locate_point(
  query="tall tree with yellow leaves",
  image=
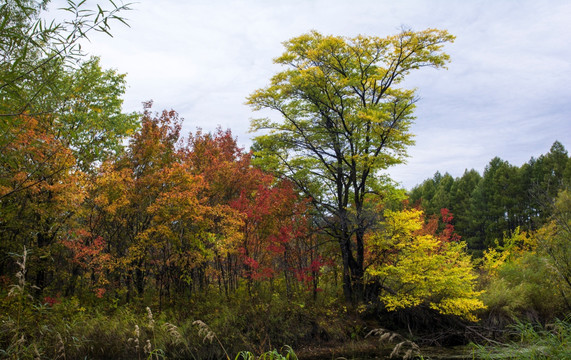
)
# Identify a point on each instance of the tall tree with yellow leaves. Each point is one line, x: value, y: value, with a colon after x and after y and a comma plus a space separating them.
x: 344, y: 119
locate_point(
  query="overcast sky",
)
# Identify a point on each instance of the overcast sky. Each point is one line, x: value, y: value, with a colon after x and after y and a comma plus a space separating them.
x: 506, y: 92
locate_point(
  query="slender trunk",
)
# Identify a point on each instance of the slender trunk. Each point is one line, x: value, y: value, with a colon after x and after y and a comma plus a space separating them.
x: 160, y: 279
x: 352, y: 273
x: 286, y: 275
x: 140, y: 279
x: 44, y: 241
x: 347, y: 278
x: 358, y: 271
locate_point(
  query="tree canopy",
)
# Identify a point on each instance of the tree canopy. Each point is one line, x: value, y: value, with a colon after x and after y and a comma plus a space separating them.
x: 343, y: 119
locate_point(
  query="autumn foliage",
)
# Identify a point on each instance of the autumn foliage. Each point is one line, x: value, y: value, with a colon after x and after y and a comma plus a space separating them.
x: 118, y: 212
x: 173, y: 216
x: 302, y: 238
x: 416, y: 266
x: 170, y: 216
x: 173, y: 220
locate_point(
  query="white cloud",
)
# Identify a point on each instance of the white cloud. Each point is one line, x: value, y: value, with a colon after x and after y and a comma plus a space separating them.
x: 505, y: 94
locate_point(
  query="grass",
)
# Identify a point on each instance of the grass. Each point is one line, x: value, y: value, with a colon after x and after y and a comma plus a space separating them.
x: 124, y: 334
x: 532, y: 341
x: 69, y: 329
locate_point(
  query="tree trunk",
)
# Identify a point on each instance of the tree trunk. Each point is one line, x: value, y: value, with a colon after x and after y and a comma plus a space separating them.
x: 352, y: 273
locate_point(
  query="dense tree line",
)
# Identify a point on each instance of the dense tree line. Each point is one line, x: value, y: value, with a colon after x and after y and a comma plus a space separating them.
x: 505, y: 197
x: 168, y: 217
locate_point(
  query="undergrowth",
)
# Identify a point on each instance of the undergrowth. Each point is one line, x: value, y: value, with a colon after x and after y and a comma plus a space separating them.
x: 68, y: 331
x: 212, y: 328
x: 532, y: 341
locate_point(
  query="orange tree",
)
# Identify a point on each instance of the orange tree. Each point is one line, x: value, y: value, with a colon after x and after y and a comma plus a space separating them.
x: 39, y: 192
x: 152, y: 209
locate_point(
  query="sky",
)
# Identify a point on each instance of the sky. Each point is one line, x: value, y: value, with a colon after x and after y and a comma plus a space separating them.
x: 506, y: 91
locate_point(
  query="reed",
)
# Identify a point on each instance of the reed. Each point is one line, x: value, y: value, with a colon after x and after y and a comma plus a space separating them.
x: 403, y: 348
x: 289, y: 354
x: 205, y: 331
x: 532, y: 342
